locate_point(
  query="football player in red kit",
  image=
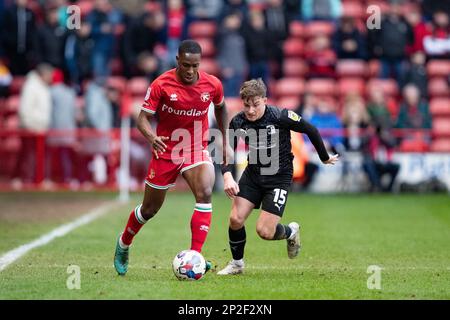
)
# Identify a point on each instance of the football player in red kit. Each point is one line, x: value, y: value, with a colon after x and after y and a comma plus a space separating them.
x: 181, y: 98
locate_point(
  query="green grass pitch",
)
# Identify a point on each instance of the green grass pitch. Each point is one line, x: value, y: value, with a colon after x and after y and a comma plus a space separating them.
x: 408, y: 236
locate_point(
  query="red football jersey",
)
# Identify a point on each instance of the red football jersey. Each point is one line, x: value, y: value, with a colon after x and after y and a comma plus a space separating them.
x: 183, y: 111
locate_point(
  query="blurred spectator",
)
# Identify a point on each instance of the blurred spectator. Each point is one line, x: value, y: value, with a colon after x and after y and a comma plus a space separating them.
x: 257, y: 42
x: 63, y: 117
x: 96, y: 144
x: 437, y: 42
x: 18, y: 27
x: 235, y: 7
x: 348, y: 42
x: 377, y: 162
x: 175, y: 14
x: 325, y: 117
x: 203, y: 9
x: 414, y: 111
x: 113, y: 95
x: 321, y: 9
x: 320, y: 58
x: 292, y: 9
x: 51, y: 37
x: 278, y: 29
x: 35, y: 117
x: 142, y: 35
x: 420, y: 30
x: 149, y: 66
x: 104, y: 19
x: 416, y: 73
x: 391, y: 42
x: 308, y: 105
x: 231, y: 54
x: 378, y: 110
x: 431, y: 6
x: 5, y: 80
x: 77, y: 53
x: 304, y: 170
x: 355, y: 119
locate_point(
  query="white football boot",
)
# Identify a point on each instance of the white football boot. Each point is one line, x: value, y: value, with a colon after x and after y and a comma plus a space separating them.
x: 293, y: 242
x: 233, y: 267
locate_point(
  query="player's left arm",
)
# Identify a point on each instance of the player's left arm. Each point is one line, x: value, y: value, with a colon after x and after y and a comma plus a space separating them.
x: 291, y: 120
x: 221, y: 114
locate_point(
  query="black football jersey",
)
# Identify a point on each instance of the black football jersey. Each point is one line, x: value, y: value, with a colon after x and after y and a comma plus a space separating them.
x: 269, y: 139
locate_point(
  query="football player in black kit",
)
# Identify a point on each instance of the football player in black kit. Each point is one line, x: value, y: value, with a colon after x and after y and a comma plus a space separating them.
x: 266, y: 180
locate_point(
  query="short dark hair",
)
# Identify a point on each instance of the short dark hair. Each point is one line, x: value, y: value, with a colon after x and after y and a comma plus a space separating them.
x: 189, y: 46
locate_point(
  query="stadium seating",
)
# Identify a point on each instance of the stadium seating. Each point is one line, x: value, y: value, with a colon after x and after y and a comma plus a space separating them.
x: 315, y: 28
x: 293, y: 47
x: 210, y: 65
x: 208, y: 48
x: 16, y: 85
x: 438, y: 87
x: 440, y: 145
x: 351, y: 85
x: 202, y: 29
x: 441, y: 127
x: 389, y: 86
x: 12, y: 104
x: 289, y: 87
x: 321, y: 87
x: 293, y: 67
x: 440, y: 107
x: 353, y: 9
x: 138, y: 86
x: 288, y: 102
x: 296, y: 29
x: 351, y: 68
x: 117, y: 82
x: 438, y: 68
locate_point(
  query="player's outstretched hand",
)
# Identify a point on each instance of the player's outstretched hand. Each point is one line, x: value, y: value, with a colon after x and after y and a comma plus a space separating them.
x: 230, y: 186
x: 158, y: 145
x: 332, y: 160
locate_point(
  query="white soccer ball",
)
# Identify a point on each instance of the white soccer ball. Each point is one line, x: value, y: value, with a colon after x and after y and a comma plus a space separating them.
x: 189, y: 265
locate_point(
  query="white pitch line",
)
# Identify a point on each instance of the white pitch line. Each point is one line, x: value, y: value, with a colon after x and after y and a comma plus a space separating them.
x: 13, y: 255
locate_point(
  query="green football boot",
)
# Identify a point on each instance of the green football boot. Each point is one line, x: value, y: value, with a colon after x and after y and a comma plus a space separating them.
x: 121, y: 259
x: 209, y: 266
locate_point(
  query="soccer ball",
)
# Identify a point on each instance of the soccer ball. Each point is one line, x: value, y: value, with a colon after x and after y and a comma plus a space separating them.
x: 189, y: 265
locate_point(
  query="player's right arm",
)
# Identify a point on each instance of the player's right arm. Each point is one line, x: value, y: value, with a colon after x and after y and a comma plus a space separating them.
x: 157, y: 142
x: 148, y: 110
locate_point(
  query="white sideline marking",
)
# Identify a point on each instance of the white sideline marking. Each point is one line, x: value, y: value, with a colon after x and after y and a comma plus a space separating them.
x: 11, y: 256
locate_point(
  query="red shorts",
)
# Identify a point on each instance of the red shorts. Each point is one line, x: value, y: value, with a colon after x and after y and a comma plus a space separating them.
x: 162, y: 173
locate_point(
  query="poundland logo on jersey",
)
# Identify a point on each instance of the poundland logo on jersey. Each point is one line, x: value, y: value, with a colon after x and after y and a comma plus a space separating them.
x: 191, y: 112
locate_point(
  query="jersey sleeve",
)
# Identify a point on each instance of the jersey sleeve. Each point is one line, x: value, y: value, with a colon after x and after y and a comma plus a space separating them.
x: 218, y: 94
x: 226, y: 167
x: 292, y: 121
x: 152, y: 98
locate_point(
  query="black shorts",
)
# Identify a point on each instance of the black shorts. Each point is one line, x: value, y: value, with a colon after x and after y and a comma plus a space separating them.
x: 268, y: 192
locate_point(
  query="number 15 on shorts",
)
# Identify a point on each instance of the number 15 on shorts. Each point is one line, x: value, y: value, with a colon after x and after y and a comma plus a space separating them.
x: 280, y: 197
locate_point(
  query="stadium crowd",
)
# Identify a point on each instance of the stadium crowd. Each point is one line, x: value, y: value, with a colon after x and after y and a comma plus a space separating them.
x: 372, y: 90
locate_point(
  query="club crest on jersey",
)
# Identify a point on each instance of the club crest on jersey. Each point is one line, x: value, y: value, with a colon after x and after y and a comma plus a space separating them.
x: 270, y: 129
x: 204, y: 96
x: 293, y: 116
x: 173, y: 97
x: 152, y: 174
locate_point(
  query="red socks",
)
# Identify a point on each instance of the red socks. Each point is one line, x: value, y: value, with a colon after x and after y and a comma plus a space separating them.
x: 200, y: 222
x: 135, y: 223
